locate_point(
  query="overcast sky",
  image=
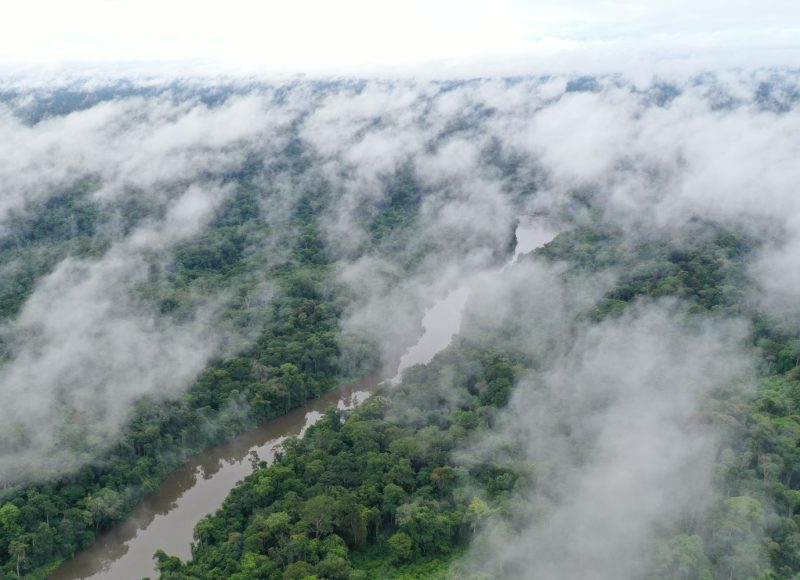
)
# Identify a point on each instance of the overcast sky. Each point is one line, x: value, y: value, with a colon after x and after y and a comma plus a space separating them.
x: 427, y: 37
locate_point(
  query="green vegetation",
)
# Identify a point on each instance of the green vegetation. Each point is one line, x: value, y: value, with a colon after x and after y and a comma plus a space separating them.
x: 378, y: 494
x: 752, y: 532
x: 373, y: 494
x: 384, y: 491
x: 295, y: 356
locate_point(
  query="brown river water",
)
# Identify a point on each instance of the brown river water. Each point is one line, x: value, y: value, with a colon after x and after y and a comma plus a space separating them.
x: 167, y: 517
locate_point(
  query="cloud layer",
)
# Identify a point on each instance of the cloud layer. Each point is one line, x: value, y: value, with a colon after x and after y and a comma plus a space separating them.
x: 649, y: 155
x: 610, y: 425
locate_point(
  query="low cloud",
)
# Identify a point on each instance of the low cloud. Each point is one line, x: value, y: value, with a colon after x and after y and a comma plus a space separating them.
x: 611, y: 424
x: 131, y: 147
x: 647, y: 154
x: 87, y: 345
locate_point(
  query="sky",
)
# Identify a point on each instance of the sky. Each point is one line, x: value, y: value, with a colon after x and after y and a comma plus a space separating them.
x: 418, y: 37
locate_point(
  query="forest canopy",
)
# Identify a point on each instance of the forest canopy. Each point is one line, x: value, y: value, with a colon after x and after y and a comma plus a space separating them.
x: 180, y: 263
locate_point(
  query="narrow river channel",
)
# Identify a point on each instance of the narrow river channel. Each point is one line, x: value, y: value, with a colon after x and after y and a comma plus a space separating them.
x: 166, y: 518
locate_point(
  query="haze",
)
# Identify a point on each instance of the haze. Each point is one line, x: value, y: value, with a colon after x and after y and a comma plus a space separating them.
x: 417, y: 38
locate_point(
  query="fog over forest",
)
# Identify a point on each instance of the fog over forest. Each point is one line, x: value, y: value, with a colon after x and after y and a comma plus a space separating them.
x: 117, y: 288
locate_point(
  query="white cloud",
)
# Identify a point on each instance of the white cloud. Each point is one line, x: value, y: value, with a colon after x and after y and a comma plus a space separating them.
x: 147, y: 145
x: 85, y: 348
x: 649, y: 168
x: 610, y: 423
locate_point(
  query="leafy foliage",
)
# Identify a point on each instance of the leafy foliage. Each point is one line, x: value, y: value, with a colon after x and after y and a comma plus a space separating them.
x: 374, y: 493
x: 294, y: 357
x: 383, y: 482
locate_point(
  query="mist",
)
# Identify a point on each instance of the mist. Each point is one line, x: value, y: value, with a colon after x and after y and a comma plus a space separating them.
x: 91, y: 338
x: 612, y: 424
x: 648, y: 156
x: 612, y: 420
x: 84, y: 349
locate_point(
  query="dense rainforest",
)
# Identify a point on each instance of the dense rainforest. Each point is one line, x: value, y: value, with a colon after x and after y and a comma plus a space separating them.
x: 292, y: 349
x: 278, y: 263
x: 294, y: 357
x: 295, y: 354
x: 381, y: 493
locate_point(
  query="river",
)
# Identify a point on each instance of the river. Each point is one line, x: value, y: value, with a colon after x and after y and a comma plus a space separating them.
x: 166, y: 518
x: 442, y: 320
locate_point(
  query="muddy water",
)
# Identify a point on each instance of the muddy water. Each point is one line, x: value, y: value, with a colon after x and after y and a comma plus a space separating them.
x: 166, y: 518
